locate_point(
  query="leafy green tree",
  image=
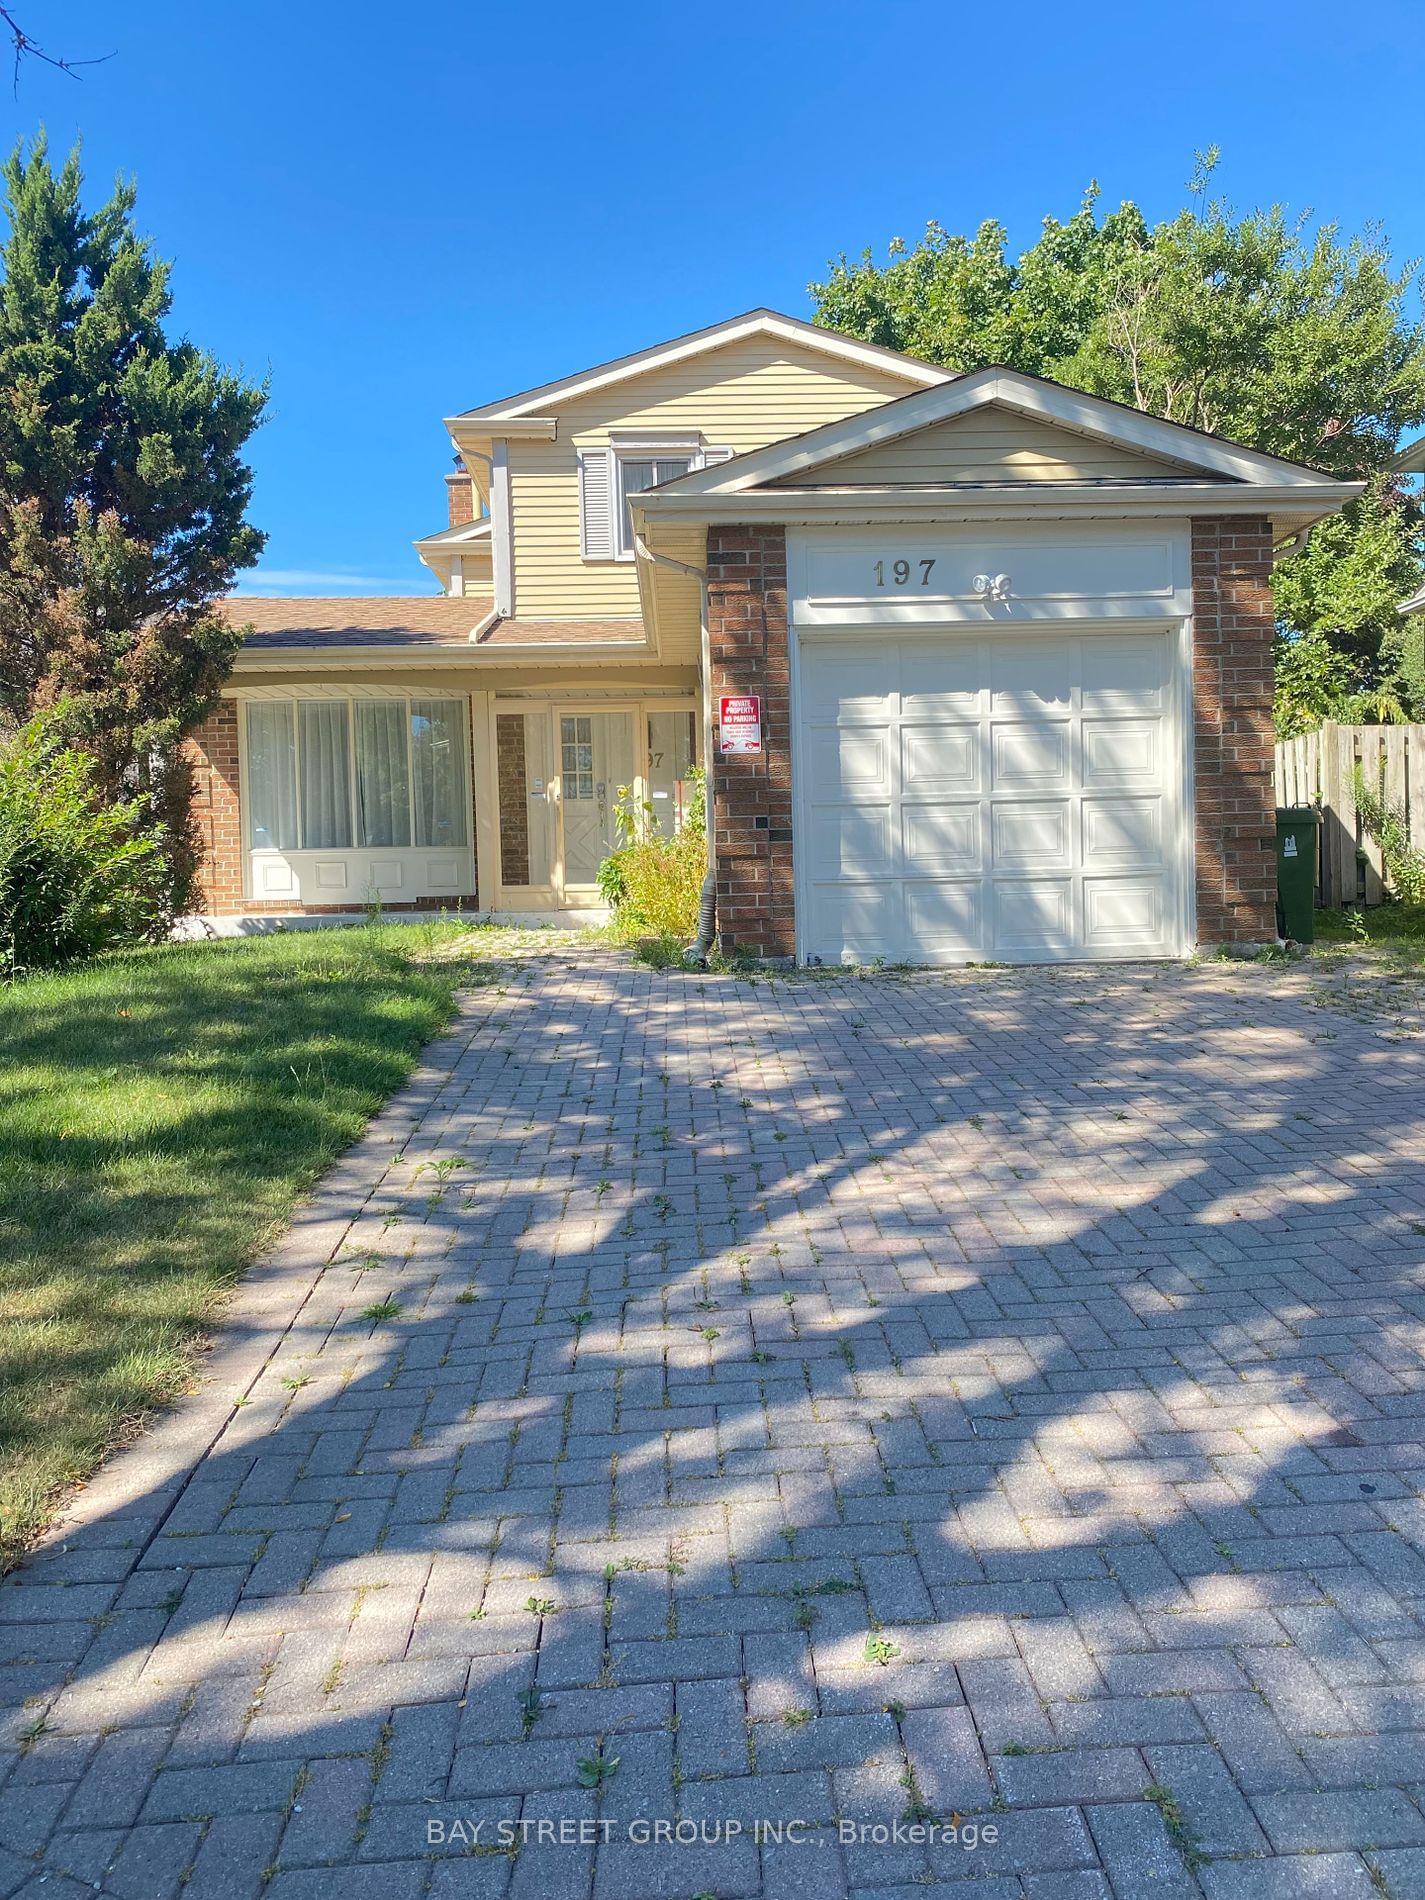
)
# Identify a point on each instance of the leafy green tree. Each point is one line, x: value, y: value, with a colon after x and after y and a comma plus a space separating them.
x: 1343, y: 650
x: 1291, y: 340
x: 123, y: 496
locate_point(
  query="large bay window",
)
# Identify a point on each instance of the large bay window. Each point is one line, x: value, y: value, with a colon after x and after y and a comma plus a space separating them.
x: 337, y: 774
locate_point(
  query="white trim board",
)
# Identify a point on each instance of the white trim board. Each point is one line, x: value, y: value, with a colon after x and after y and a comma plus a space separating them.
x: 696, y: 343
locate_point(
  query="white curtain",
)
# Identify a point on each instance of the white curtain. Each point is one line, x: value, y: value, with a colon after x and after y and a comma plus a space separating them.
x: 326, y: 785
x: 271, y: 776
x: 383, y: 793
x: 438, y: 771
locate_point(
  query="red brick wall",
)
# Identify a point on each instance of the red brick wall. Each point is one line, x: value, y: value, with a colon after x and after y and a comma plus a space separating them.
x: 514, y: 801
x: 752, y: 808
x: 460, y: 499
x: 1232, y: 707
x: 213, y: 749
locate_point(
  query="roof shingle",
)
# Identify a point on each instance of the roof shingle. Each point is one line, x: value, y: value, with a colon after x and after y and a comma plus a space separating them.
x: 356, y: 621
x: 428, y: 620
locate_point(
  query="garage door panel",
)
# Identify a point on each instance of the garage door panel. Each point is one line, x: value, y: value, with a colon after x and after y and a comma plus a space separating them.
x: 1034, y: 917
x: 945, y: 921
x: 1125, y: 914
x: 1032, y: 836
x: 858, y: 922
x: 1121, y: 752
x: 1030, y: 758
x: 850, y: 762
x: 1032, y: 676
x: 849, y: 685
x: 1128, y: 675
x: 941, y: 837
x: 937, y: 759
x: 1124, y: 833
x: 853, y: 841
x: 941, y: 681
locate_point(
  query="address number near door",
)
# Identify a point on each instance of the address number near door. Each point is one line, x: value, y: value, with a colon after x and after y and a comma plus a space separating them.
x: 914, y: 573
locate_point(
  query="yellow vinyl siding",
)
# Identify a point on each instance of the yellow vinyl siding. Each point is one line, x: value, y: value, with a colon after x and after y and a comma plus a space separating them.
x: 987, y: 445
x: 677, y: 598
x: 742, y: 396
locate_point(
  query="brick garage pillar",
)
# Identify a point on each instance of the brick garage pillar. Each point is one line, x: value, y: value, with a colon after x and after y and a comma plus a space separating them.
x: 1233, y: 627
x: 752, y: 797
x: 213, y: 751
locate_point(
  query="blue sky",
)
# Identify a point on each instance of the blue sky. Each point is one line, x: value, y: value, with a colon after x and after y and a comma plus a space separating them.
x: 400, y: 212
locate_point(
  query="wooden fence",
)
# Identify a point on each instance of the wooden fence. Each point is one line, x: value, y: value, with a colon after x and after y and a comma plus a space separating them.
x: 1319, y: 768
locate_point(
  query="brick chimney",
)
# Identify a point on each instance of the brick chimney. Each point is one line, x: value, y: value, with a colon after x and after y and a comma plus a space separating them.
x: 460, y: 494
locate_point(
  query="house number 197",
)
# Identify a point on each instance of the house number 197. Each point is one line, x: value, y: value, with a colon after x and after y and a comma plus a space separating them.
x: 901, y: 572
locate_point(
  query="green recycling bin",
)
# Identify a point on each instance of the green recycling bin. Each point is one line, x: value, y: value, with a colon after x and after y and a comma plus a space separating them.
x: 1296, y: 871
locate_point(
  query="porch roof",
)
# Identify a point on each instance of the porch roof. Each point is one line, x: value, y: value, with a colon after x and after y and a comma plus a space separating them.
x: 360, y: 628
x: 356, y: 621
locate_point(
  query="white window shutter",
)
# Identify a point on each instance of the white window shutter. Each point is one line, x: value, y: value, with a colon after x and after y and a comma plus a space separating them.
x: 596, y: 504
x: 711, y: 456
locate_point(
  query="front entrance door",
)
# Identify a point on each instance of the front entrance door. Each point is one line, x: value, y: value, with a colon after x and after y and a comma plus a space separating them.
x: 595, y: 760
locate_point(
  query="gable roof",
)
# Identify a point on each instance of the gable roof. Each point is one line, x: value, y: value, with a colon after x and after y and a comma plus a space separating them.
x: 1098, y: 417
x: 1196, y: 473
x: 760, y: 322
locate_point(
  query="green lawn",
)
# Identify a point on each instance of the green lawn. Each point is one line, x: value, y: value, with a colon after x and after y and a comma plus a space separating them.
x: 1399, y: 928
x: 160, y: 1112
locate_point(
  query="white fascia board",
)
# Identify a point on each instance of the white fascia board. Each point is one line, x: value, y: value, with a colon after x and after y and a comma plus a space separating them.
x: 305, y: 659
x: 1028, y: 395
x: 1415, y: 604
x: 600, y: 650
x: 796, y: 506
x: 758, y: 323
x: 1411, y: 459
x: 511, y: 428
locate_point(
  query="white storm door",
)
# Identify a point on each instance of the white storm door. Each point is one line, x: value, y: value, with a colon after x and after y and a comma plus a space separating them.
x: 595, y: 762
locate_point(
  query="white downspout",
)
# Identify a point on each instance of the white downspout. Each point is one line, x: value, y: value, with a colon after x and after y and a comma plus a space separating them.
x: 707, y: 908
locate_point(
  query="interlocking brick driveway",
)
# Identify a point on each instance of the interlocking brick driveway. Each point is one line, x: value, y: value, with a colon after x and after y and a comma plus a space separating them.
x: 1055, y: 1336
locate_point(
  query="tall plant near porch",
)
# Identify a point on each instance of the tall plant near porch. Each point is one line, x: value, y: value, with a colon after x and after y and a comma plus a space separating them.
x: 123, y: 497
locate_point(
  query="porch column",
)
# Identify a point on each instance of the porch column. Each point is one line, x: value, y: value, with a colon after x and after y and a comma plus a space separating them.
x: 485, y: 782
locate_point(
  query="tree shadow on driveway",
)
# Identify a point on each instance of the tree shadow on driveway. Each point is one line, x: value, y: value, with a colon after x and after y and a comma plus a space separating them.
x: 847, y: 1402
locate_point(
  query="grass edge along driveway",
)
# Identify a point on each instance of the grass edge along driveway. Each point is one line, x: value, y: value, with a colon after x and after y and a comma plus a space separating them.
x: 160, y: 1114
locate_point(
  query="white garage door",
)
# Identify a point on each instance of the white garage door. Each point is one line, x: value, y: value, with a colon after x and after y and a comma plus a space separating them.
x: 1011, y: 798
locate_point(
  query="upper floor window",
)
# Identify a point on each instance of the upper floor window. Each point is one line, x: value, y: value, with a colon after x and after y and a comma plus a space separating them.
x: 641, y: 471
x: 609, y: 476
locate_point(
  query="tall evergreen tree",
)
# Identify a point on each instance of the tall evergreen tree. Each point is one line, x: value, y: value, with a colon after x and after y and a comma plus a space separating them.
x: 123, y: 494
x: 1292, y: 341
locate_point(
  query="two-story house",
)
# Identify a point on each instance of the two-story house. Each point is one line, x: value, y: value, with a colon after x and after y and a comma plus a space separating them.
x: 998, y: 658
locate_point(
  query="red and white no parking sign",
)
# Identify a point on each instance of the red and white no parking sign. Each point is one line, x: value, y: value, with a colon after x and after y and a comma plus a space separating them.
x: 739, y: 723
